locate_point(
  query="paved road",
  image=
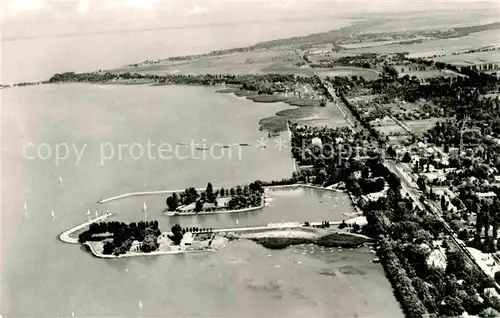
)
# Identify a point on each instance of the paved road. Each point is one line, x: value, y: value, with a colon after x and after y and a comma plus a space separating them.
x: 333, y: 96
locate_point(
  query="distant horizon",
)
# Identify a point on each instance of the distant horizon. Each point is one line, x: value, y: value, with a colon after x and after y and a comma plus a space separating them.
x: 36, y: 45
x: 34, y: 19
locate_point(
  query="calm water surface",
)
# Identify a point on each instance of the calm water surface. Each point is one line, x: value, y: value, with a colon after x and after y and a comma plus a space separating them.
x: 43, y: 277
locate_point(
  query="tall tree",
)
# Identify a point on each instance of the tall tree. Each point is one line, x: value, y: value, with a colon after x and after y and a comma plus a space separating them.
x: 210, y: 193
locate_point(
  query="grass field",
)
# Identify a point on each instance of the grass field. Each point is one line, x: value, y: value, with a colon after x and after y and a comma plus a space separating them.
x: 422, y: 125
x: 256, y: 62
x: 434, y: 72
x: 348, y: 71
x: 312, y: 116
x: 389, y: 129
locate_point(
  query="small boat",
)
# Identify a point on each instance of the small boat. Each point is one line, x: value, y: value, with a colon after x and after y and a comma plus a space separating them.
x: 88, y: 213
x: 53, y: 214
x: 263, y: 146
x: 25, y: 206
x: 376, y: 260
x: 246, y: 145
x: 182, y: 144
x: 140, y: 304
x: 201, y: 148
x: 144, y: 207
x: 60, y: 180
x: 226, y: 146
x: 96, y: 213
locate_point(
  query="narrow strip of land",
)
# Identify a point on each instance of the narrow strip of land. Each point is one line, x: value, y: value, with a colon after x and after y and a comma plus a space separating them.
x: 66, y: 235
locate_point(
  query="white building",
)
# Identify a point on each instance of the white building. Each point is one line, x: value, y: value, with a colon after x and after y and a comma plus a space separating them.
x: 317, y: 142
x: 437, y: 259
x: 187, y: 239
x: 483, y: 195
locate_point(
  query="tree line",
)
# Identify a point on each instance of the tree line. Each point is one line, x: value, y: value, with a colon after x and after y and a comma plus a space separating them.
x: 239, y: 197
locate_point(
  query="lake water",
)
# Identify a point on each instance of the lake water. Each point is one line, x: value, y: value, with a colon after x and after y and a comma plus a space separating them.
x: 43, y: 277
x: 37, y: 59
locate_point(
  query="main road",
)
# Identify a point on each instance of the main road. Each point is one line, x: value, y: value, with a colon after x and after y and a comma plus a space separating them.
x: 332, y: 95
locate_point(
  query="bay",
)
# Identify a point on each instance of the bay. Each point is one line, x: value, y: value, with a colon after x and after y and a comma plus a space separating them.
x: 43, y: 277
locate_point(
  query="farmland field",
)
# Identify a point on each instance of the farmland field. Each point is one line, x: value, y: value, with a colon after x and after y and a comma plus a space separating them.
x: 440, y: 19
x: 439, y: 46
x: 256, y: 62
x: 316, y: 56
x: 352, y: 46
x: 471, y: 58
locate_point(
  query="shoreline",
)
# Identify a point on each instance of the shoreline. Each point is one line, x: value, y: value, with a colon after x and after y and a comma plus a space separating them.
x: 66, y: 235
x: 285, y: 231
x: 270, y: 98
x: 130, y: 194
x: 91, y: 247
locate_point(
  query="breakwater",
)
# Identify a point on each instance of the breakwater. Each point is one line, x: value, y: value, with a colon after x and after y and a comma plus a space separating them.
x: 131, y: 194
x: 66, y: 235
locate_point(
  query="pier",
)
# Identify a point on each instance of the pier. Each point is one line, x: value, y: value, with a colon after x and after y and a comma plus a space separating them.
x: 66, y: 235
x: 132, y: 194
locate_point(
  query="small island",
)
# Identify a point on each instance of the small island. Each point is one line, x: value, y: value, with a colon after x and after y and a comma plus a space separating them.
x: 240, y: 199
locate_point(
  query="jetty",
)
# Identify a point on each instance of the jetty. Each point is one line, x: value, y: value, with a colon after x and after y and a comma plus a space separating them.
x: 276, y: 187
x: 66, y: 235
x: 287, y: 226
x: 131, y: 194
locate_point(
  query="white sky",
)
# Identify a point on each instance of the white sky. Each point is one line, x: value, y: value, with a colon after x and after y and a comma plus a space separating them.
x: 38, y: 18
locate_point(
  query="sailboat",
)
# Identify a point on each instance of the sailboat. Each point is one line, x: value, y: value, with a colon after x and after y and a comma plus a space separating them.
x: 145, y: 210
x: 96, y: 213
x: 53, y: 214
x: 237, y: 222
x: 60, y: 180
x: 140, y: 304
x: 25, y: 206
x: 72, y: 314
